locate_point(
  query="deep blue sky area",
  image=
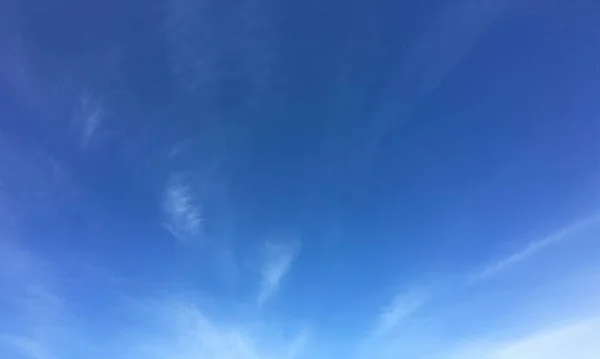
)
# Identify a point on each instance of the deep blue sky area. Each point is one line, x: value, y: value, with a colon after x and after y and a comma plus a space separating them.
x: 286, y: 180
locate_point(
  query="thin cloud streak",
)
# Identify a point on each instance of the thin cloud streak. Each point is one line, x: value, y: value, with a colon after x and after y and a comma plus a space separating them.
x: 88, y: 115
x: 279, y: 259
x: 90, y: 125
x: 181, y: 330
x: 165, y: 328
x: 182, y: 212
x: 402, y: 306
x: 387, y: 342
x: 536, y: 246
x: 579, y: 339
x: 32, y: 349
x: 32, y: 302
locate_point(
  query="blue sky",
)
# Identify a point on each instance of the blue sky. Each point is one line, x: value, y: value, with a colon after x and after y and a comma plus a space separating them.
x: 286, y: 180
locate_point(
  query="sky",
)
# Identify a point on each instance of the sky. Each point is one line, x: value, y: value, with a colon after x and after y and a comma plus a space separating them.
x: 286, y: 180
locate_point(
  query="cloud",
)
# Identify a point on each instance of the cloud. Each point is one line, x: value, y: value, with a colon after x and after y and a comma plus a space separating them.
x: 579, y: 339
x: 393, y: 323
x: 534, y: 247
x: 441, y: 334
x: 401, y: 307
x: 164, y: 328
x: 279, y: 259
x: 90, y: 125
x: 88, y: 115
x: 180, y: 330
x: 182, y: 212
x: 31, y: 348
x: 486, y: 325
x: 189, y: 334
x: 25, y: 285
x: 297, y: 346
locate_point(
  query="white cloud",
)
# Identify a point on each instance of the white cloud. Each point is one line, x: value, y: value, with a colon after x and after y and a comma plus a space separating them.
x: 529, y: 337
x: 183, y: 331
x: 279, y: 259
x: 387, y: 340
x: 25, y: 285
x: 88, y: 115
x: 296, y: 347
x: 402, y: 306
x: 181, y: 209
x: 31, y: 348
x: 426, y: 335
x: 162, y: 329
x: 580, y: 339
x: 534, y: 247
x: 90, y: 125
x: 189, y: 334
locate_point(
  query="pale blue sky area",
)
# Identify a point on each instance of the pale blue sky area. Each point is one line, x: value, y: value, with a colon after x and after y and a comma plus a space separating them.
x: 184, y: 179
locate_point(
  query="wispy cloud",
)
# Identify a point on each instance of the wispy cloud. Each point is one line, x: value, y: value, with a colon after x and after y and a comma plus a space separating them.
x: 402, y: 306
x: 421, y: 337
x: 90, y: 125
x: 181, y: 330
x: 88, y: 116
x: 30, y: 348
x: 440, y: 334
x: 579, y: 339
x: 181, y: 209
x: 159, y: 328
x: 534, y: 247
x: 279, y: 258
x: 25, y: 282
x: 297, y: 346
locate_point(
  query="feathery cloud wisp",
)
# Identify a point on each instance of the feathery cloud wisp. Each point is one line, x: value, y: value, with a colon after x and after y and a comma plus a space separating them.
x: 534, y: 247
x: 163, y: 329
x: 580, y: 339
x: 88, y: 115
x: 183, y: 215
x: 31, y: 300
x: 31, y: 348
x: 402, y: 306
x: 279, y: 259
x: 183, y: 331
